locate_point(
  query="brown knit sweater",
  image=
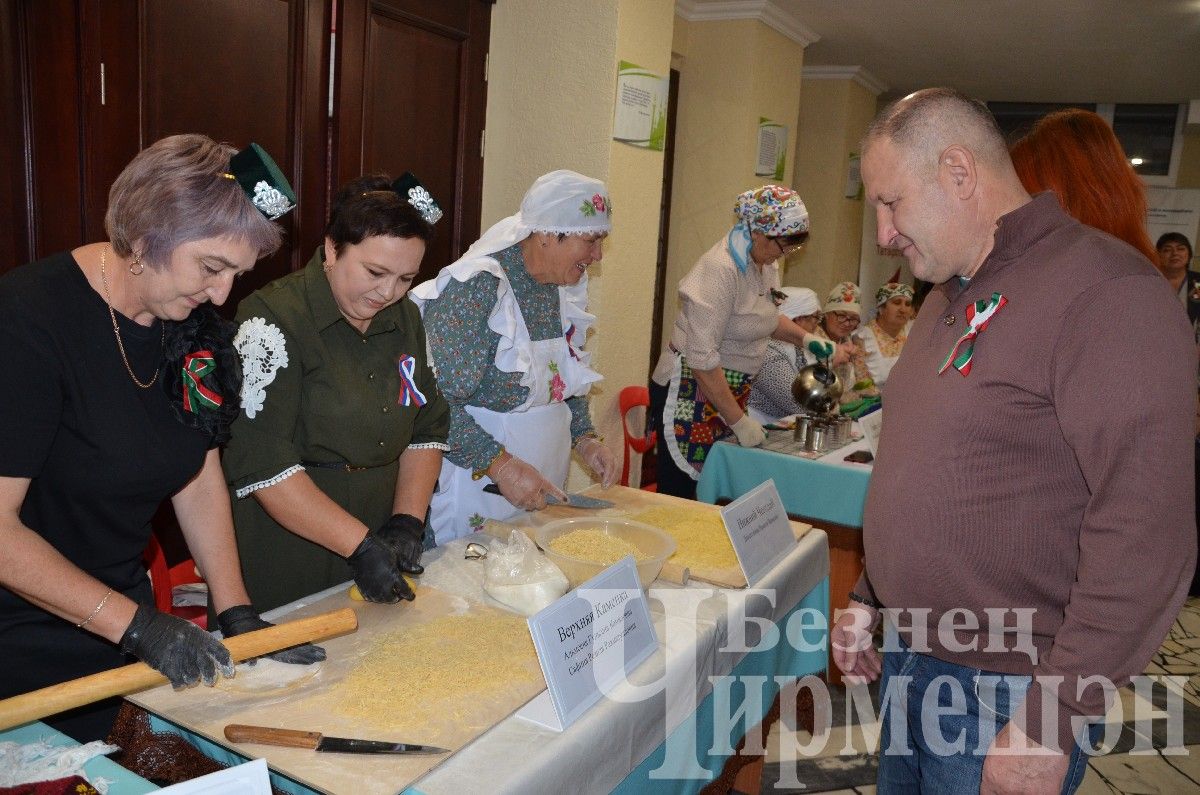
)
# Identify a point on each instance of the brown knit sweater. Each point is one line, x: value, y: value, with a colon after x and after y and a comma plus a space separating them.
x: 1057, y: 475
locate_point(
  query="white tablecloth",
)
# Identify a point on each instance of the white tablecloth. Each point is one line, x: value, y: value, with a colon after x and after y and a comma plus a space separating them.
x: 599, y: 751
x: 602, y: 747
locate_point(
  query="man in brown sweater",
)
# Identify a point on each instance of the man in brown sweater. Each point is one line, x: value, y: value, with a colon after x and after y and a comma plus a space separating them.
x: 1031, y: 511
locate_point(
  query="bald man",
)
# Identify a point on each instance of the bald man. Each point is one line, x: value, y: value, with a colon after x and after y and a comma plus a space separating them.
x: 1030, y: 520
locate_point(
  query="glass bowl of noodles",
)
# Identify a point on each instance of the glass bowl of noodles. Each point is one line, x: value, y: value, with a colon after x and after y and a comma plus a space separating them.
x: 584, y: 546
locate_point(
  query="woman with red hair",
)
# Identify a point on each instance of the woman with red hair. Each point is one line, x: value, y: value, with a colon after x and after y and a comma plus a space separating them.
x: 1075, y: 153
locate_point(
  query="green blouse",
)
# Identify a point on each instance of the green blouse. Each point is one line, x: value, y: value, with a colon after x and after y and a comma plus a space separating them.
x: 336, y: 400
x: 318, y: 391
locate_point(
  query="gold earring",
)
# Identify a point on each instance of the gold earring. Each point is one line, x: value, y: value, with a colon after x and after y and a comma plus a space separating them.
x: 137, y: 262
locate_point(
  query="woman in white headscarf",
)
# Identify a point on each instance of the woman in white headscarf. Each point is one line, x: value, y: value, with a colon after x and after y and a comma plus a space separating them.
x: 506, y: 325
x: 702, y: 382
x: 771, y: 393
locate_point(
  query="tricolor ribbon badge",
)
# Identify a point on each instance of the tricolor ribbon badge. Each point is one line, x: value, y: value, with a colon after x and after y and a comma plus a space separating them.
x: 410, y: 395
x: 978, y: 315
x: 195, y: 393
x: 570, y: 345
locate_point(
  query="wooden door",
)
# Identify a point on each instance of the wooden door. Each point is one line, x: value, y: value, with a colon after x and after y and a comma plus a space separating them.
x: 88, y: 83
x: 410, y: 95
x: 40, y: 189
x: 235, y: 70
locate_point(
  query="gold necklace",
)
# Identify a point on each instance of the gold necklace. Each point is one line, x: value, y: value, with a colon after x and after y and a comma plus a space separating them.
x: 117, y: 331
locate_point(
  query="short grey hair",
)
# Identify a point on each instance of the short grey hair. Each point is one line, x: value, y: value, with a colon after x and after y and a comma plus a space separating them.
x: 925, y: 122
x: 176, y: 191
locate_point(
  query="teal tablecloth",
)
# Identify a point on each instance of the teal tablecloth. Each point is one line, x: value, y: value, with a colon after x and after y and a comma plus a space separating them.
x: 121, y: 781
x: 812, y: 489
x: 782, y: 660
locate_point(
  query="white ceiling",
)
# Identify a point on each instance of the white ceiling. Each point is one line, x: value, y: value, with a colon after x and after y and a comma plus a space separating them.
x: 1000, y: 50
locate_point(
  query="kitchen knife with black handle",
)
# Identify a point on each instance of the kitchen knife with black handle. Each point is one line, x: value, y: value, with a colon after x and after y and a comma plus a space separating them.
x: 293, y: 738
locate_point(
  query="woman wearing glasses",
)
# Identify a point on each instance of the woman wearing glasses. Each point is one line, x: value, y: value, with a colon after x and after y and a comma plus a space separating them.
x: 726, y: 316
x: 842, y: 314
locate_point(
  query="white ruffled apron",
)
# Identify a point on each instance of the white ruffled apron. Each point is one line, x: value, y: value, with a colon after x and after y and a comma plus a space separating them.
x: 539, y: 430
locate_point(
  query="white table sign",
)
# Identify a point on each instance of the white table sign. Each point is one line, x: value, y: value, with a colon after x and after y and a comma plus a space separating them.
x: 587, y: 642
x: 759, y: 530
x: 872, y: 426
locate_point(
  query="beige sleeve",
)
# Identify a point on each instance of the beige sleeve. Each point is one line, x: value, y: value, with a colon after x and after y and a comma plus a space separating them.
x: 706, y: 298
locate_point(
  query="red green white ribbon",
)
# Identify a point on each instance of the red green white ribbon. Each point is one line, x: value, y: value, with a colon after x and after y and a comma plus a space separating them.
x: 979, y: 314
x: 195, y: 393
x: 410, y: 395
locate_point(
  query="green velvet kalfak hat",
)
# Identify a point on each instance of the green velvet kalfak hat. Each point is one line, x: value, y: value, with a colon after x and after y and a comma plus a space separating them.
x: 412, y: 191
x: 263, y: 181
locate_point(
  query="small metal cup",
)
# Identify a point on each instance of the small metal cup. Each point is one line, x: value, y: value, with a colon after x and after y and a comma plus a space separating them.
x: 844, y: 427
x: 819, y: 442
x: 803, y: 429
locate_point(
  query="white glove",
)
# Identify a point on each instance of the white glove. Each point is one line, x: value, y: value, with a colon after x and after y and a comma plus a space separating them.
x: 523, y: 486
x: 599, y: 459
x: 749, y: 433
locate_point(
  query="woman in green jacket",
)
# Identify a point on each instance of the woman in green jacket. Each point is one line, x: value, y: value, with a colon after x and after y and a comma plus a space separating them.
x: 336, y: 453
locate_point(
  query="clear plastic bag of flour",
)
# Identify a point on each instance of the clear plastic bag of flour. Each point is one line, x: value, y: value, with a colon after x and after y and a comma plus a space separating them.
x: 518, y: 575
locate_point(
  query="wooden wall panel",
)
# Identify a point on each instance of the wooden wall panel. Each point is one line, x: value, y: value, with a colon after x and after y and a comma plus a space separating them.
x: 55, y: 124
x: 16, y: 232
x: 223, y: 68
x: 411, y: 96
x: 411, y: 112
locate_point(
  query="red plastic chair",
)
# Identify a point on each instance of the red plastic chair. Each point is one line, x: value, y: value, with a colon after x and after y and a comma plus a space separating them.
x: 629, y: 398
x: 164, y: 578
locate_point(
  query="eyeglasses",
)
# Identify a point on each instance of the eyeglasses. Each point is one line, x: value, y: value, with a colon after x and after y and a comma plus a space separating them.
x: 845, y: 318
x: 788, y: 249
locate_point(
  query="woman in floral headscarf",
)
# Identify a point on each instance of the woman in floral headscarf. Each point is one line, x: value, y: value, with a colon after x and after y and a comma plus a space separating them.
x: 702, y: 382
x: 506, y: 325
x: 886, y: 334
x: 839, y: 318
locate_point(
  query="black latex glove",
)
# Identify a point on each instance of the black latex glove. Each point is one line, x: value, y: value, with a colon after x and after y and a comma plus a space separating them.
x: 405, y: 534
x: 177, y: 649
x: 243, y: 618
x: 376, y: 572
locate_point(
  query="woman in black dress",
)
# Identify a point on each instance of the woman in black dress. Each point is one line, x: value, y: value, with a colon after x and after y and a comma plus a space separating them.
x: 117, y: 383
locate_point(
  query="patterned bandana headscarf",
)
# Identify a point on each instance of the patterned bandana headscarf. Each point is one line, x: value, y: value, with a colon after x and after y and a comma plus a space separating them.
x: 773, y: 210
x: 890, y: 290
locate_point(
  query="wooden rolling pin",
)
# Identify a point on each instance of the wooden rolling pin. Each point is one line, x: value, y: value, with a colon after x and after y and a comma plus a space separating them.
x: 139, y: 676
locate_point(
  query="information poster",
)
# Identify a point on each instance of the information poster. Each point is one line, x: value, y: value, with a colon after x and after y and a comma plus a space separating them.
x: 640, y: 118
x: 772, y: 149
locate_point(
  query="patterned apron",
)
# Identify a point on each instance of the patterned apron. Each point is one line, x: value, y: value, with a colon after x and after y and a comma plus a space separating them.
x: 696, y: 421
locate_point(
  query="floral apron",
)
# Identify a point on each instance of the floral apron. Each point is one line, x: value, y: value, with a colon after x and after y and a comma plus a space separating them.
x: 696, y: 421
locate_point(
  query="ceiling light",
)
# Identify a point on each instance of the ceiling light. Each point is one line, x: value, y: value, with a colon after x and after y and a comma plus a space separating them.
x: 1136, y: 161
